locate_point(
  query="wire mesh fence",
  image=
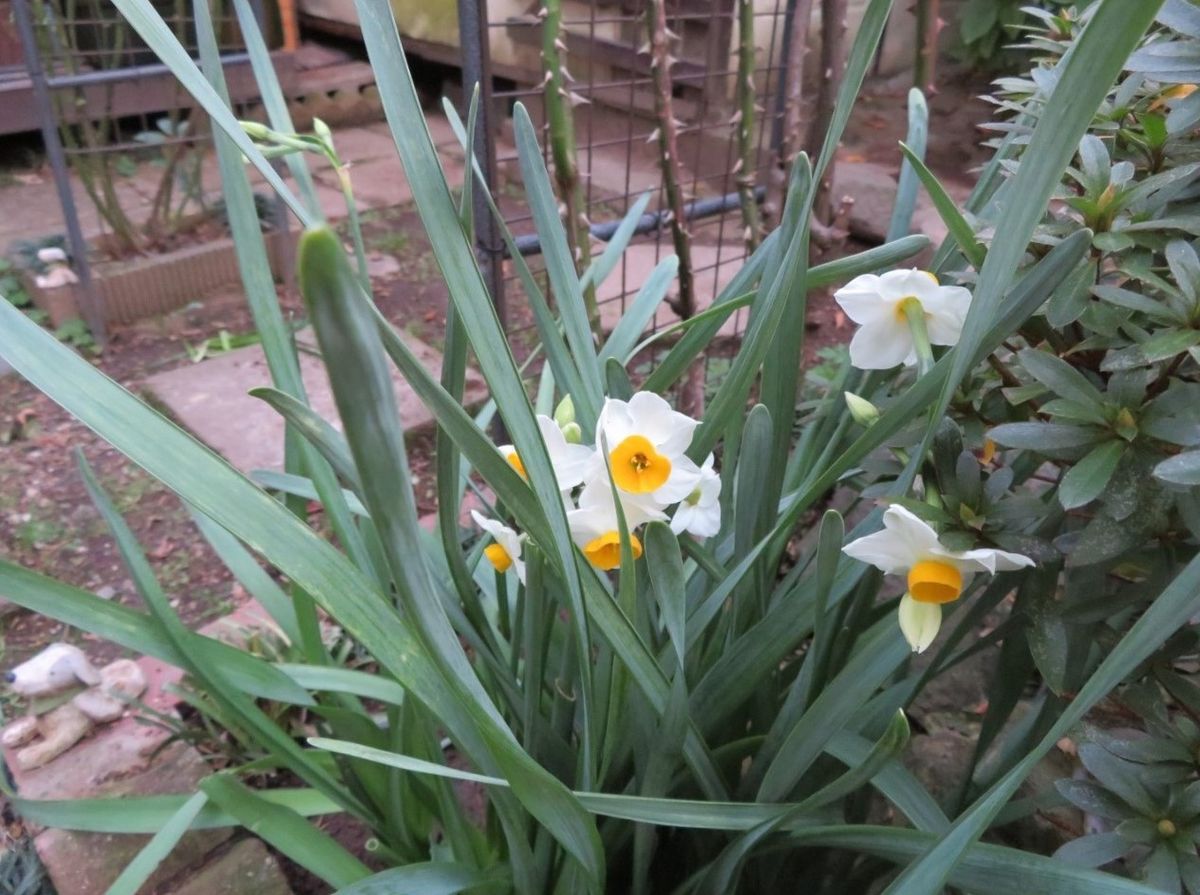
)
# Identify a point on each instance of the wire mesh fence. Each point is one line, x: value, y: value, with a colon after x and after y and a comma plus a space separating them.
x: 609, y: 81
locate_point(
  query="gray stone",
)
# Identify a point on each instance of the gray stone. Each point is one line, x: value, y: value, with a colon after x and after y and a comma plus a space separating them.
x: 211, y: 400
x: 873, y: 189
x: 939, y: 761
x: 246, y: 868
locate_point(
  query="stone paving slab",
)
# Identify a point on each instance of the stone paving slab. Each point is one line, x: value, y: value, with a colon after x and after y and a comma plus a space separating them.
x: 246, y: 868
x: 211, y: 400
x: 88, y: 863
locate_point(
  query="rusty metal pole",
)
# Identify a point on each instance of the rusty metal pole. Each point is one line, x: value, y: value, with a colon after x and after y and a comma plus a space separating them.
x: 93, y: 303
x: 477, y: 70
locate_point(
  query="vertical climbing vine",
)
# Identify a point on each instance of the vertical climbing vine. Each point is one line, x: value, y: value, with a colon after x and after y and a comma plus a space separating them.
x: 560, y: 117
x: 661, y: 61
x: 744, y: 118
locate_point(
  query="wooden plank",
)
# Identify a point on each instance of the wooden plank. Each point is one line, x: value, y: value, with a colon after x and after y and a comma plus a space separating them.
x: 147, y: 94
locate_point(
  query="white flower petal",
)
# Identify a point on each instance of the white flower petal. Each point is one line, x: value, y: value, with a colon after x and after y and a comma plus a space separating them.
x: 985, y: 559
x: 945, y: 312
x: 881, y: 345
x: 668, y: 430
x: 684, y: 479
x: 917, y: 534
x: 883, y: 550
x: 569, y: 460
x: 906, y: 283
x: 919, y: 622
x: 862, y: 301
x: 506, y: 537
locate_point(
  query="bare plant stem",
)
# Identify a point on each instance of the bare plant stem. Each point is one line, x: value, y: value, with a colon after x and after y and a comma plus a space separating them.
x: 744, y: 170
x: 928, y: 26
x: 668, y: 149
x: 833, y: 64
x: 794, y: 80
x: 561, y: 119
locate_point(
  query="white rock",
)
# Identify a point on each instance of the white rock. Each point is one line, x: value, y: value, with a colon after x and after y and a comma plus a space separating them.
x: 19, y: 732
x: 51, y: 255
x: 120, y: 681
x: 60, y: 730
x: 55, y: 668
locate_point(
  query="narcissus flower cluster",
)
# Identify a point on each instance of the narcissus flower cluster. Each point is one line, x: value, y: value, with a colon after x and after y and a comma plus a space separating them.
x: 638, y: 468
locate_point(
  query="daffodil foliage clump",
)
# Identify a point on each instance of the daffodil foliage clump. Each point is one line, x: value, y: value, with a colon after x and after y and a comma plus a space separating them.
x: 655, y: 660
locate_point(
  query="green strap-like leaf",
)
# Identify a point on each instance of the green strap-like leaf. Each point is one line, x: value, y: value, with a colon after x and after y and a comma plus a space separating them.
x: 286, y: 831
x: 161, y: 844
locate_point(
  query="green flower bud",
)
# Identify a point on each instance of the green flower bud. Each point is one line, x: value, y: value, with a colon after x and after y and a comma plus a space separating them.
x: 256, y: 131
x: 321, y: 129
x: 572, y: 433
x: 564, y: 413
x: 863, y: 411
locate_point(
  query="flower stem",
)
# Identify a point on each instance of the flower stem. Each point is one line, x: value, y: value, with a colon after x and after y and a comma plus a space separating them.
x: 915, y: 314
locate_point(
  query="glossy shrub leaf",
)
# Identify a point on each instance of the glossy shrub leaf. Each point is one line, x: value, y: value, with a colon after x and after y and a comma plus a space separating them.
x: 1087, y: 479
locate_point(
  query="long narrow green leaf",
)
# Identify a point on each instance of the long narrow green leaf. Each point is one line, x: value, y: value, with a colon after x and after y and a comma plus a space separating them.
x: 251, y: 575
x: 559, y: 264
x: 956, y: 224
x: 155, y: 851
x: 882, y: 651
x: 137, y: 631
x: 430, y: 878
x: 723, y: 873
x: 286, y: 831
x: 599, y: 269
x: 456, y: 259
x: 906, y: 188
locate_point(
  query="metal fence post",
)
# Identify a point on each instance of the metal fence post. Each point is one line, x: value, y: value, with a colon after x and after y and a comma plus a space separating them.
x: 93, y: 305
x: 477, y: 70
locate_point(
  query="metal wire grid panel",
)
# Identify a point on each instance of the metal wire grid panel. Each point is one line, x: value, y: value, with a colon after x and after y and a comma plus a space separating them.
x: 105, y: 104
x: 618, y: 159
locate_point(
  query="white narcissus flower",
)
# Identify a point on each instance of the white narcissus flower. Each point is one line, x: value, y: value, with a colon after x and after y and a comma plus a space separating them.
x: 505, y: 551
x: 699, y: 513
x: 646, y: 442
x: 595, y: 528
x: 568, y: 460
x: 935, y: 574
x: 877, y: 304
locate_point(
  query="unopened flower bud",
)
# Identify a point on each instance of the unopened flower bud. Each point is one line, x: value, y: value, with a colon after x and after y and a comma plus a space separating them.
x: 321, y: 129
x: 863, y: 411
x: 572, y: 433
x: 564, y: 413
x: 256, y: 131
